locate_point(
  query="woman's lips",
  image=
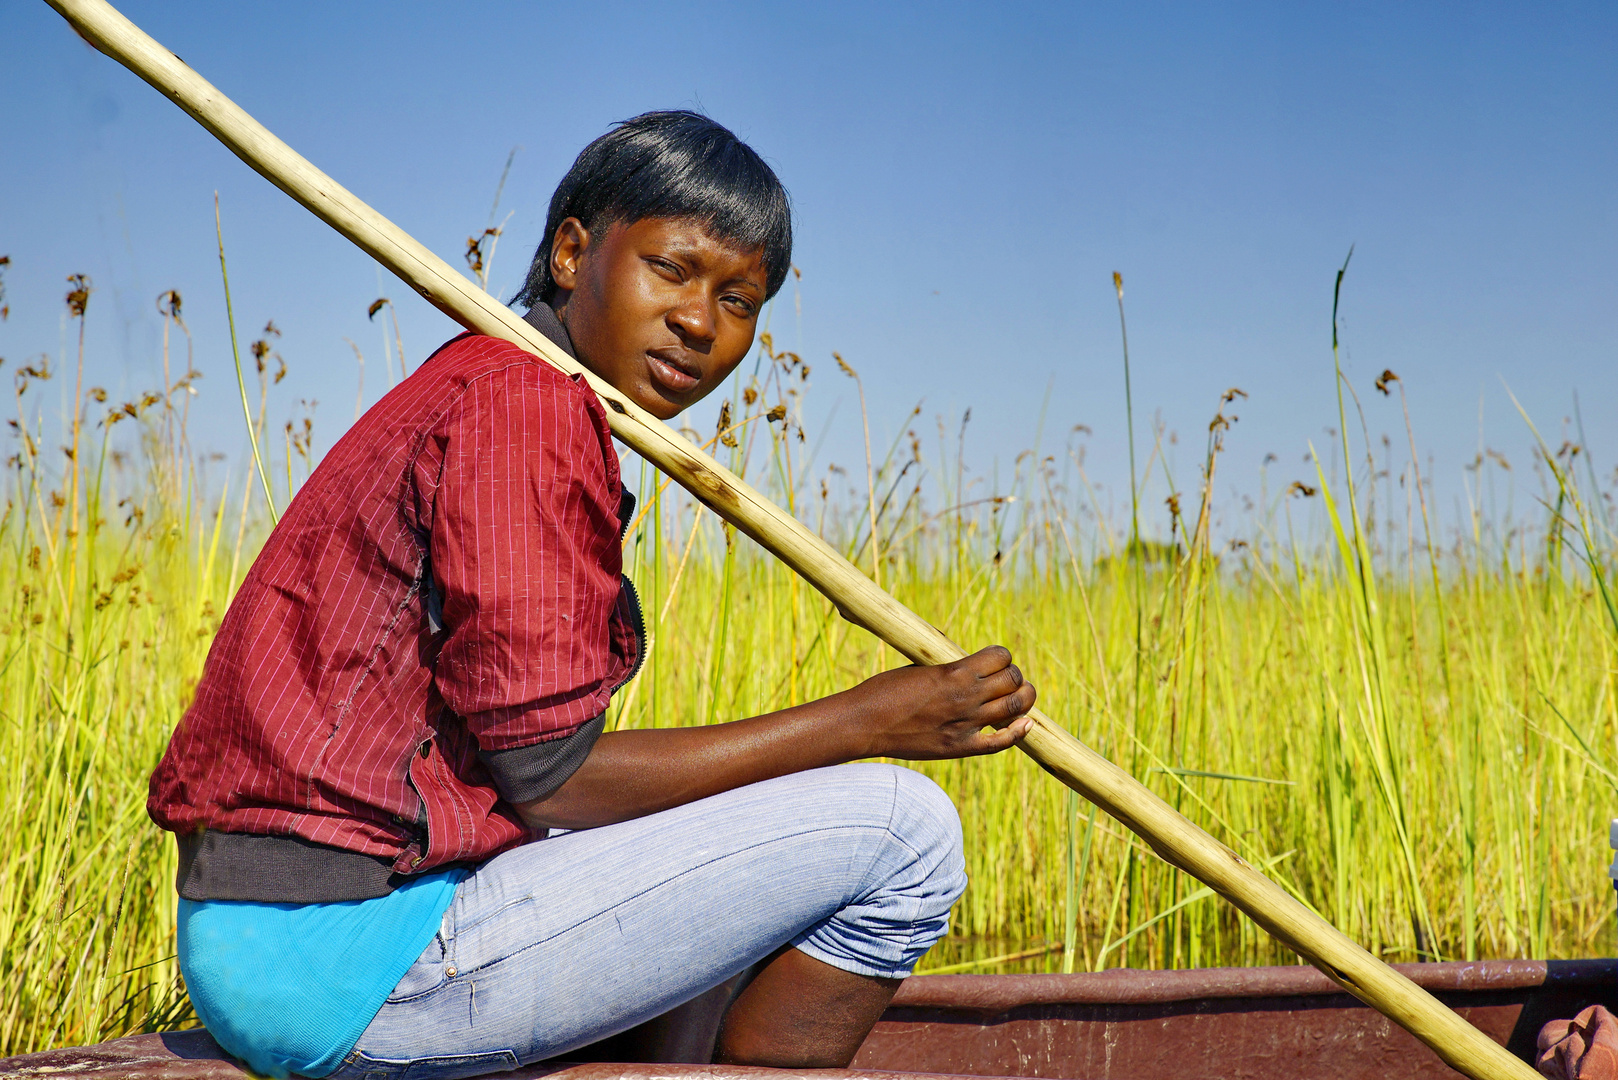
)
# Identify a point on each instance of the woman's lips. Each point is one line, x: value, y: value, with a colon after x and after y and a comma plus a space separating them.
x: 672, y: 374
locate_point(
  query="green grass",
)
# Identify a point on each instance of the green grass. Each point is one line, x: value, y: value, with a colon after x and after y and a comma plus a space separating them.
x: 1419, y: 743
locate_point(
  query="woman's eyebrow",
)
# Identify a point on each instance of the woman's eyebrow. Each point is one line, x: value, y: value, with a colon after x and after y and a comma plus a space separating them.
x: 746, y: 277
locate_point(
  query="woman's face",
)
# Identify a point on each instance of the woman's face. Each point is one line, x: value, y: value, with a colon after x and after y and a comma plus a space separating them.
x: 657, y: 307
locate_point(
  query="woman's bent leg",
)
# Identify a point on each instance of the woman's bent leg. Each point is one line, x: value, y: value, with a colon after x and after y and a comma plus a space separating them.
x: 560, y: 943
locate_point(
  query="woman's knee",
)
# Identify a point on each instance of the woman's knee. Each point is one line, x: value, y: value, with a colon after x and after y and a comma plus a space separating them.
x: 923, y: 830
x: 925, y: 820
x: 918, y: 874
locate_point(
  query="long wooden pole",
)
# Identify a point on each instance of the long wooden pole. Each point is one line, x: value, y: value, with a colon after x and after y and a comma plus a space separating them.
x: 857, y: 598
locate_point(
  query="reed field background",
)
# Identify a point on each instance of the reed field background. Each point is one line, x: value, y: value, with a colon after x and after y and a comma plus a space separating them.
x: 1404, y: 716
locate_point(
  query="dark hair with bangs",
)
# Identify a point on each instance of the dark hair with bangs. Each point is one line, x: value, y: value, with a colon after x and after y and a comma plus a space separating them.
x: 674, y: 164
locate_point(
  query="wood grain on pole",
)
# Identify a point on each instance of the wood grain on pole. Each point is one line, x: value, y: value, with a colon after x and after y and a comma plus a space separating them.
x: 857, y: 598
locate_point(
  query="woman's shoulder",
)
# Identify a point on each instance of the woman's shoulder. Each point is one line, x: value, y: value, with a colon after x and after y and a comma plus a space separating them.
x: 488, y: 387
x: 477, y: 354
x: 508, y: 369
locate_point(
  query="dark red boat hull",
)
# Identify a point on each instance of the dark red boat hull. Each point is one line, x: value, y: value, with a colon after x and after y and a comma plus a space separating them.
x: 1231, y: 1023
x: 1212, y: 1024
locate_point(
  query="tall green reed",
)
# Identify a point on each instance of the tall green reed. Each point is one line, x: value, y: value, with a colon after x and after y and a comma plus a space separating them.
x: 1424, y: 753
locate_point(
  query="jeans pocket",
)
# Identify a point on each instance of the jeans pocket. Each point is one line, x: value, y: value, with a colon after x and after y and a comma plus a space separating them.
x: 460, y: 1065
x: 425, y: 975
x: 361, y: 1066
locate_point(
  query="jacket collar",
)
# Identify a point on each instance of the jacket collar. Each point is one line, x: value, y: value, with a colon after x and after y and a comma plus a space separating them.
x: 543, y: 319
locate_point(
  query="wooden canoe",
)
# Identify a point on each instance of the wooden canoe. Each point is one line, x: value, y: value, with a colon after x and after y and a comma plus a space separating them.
x: 1235, y: 1023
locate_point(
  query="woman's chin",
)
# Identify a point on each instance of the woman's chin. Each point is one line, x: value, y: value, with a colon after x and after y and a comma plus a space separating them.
x: 658, y: 401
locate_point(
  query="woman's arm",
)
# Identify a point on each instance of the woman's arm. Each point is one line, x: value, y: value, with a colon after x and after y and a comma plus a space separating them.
x: 913, y: 713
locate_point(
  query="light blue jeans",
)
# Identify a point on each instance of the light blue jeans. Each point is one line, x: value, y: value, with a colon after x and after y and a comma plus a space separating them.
x: 557, y: 944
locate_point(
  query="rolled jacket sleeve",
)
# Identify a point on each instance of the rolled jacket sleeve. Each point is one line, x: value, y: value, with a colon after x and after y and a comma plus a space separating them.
x: 525, y: 557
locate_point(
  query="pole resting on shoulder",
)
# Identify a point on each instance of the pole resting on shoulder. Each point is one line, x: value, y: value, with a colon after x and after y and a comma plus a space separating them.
x: 857, y: 598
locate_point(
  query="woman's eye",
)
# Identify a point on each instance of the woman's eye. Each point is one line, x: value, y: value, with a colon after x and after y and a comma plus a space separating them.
x: 666, y: 268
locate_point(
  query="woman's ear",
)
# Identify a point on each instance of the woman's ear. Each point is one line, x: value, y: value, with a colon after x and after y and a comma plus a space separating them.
x: 567, y: 252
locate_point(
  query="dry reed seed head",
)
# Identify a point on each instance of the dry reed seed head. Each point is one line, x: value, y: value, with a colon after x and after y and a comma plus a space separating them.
x: 168, y: 304
x: 29, y: 371
x: 474, y: 249
x: 1383, y: 380
x: 749, y: 395
x: 843, y: 364
x: 1118, y: 283
x: 98, y: 395
x: 78, y: 297
x: 1300, y: 488
x: 725, y: 434
x: 5, y: 309
x: 262, y: 350
x: 1173, y: 503
x: 777, y: 414
x: 1231, y: 395
x: 377, y: 305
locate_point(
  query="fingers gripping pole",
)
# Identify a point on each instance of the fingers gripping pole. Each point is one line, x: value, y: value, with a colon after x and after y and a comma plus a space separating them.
x: 860, y: 601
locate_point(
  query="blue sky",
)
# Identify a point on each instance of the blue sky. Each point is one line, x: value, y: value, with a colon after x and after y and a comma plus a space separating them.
x: 966, y: 180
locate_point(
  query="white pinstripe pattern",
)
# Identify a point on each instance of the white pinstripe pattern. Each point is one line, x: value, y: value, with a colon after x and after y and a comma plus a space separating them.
x: 325, y: 686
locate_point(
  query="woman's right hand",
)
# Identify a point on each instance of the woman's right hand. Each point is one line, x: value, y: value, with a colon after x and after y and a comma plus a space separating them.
x: 923, y: 713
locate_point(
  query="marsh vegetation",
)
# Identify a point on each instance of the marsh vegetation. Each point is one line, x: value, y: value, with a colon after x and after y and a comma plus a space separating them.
x: 1410, y: 725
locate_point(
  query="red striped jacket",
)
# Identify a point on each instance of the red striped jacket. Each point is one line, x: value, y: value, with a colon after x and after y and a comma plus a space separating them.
x: 330, y: 699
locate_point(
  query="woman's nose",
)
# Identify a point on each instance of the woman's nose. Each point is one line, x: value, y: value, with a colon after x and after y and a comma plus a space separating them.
x: 693, y: 319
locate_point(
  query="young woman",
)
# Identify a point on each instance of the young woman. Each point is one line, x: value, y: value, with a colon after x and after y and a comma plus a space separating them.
x: 407, y: 848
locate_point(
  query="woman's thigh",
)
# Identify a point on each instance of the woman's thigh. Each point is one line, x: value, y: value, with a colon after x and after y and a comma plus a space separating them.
x: 557, y: 944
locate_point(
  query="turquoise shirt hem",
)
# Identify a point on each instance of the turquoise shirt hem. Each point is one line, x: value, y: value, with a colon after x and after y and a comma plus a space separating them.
x: 289, y: 988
